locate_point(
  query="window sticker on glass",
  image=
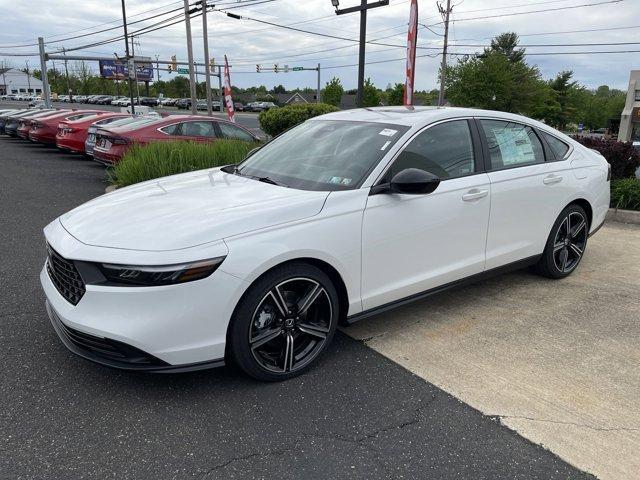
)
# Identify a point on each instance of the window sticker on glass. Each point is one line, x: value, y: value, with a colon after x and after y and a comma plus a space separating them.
x: 515, y: 145
x: 335, y: 180
x: 388, y: 132
x: 386, y: 144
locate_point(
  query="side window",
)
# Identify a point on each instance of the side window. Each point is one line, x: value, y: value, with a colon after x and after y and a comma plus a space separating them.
x: 173, y: 129
x: 512, y: 144
x: 558, y: 147
x: 198, y: 129
x: 445, y: 150
x: 231, y: 131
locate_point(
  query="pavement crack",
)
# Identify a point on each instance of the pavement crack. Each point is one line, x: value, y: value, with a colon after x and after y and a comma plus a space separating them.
x: 272, y: 453
x: 500, y: 418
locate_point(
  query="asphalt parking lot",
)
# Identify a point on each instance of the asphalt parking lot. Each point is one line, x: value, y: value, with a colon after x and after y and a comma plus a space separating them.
x: 357, y: 414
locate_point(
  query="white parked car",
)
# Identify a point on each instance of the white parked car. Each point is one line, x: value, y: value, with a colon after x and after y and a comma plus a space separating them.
x: 339, y: 218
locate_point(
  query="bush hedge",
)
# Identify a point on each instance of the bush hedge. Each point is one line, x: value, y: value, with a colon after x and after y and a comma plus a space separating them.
x: 159, y: 159
x: 623, y: 157
x: 626, y: 193
x: 276, y: 120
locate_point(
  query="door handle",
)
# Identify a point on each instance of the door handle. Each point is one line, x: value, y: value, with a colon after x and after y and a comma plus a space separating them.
x: 474, y: 194
x: 551, y: 179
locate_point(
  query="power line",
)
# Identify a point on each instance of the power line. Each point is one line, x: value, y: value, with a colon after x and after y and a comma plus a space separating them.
x: 534, y: 11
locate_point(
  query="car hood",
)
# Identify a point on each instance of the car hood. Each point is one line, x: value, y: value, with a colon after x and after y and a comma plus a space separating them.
x: 186, y: 210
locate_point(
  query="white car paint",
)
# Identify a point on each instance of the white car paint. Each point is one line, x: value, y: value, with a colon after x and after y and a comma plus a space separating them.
x: 384, y: 247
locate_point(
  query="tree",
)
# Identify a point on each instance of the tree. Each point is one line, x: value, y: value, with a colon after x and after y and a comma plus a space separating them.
x: 332, y: 93
x: 279, y: 89
x: 395, y: 94
x: 568, y: 94
x: 507, y: 45
x: 370, y: 94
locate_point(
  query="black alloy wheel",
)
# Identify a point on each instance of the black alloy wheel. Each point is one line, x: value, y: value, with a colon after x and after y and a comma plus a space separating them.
x: 284, y: 322
x: 566, y: 243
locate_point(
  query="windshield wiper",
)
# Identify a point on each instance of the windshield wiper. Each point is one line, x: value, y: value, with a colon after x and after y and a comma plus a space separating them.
x: 269, y: 180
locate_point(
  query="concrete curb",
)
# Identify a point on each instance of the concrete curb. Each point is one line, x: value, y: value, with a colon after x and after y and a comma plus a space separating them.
x: 623, y: 216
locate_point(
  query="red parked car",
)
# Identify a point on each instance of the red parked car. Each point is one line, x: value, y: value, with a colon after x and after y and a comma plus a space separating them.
x: 24, y: 124
x: 113, y: 143
x: 72, y: 134
x: 44, y: 129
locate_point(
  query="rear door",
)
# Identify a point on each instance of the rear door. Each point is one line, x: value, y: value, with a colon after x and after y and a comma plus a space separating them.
x: 199, y: 130
x: 528, y: 190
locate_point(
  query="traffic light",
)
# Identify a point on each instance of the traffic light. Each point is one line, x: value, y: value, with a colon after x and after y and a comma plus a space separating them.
x: 275, y: 68
x: 212, y: 65
x: 169, y: 68
x: 174, y: 64
x: 286, y: 69
x: 258, y: 68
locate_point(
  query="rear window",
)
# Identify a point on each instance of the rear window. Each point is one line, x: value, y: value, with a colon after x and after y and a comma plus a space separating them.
x: 557, y: 146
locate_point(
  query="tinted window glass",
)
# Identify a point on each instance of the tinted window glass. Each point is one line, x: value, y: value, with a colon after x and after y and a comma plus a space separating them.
x: 445, y: 150
x: 324, y: 154
x: 231, y: 131
x: 558, y: 147
x: 171, y: 129
x: 198, y: 129
x: 512, y: 144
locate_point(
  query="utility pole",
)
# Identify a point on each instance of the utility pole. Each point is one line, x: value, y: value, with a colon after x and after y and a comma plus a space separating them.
x: 364, y: 6
x: 66, y: 72
x: 192, y: 79
x: 135, y: 72
x: 157, y: 69
x: 4, y: 79
x: 26, y: 62
x: 126, y: 45
x: 220, y: 89
x: 443, y: 69
x: 318, y: 90
x: 207, y: 65
x: 46, y: 92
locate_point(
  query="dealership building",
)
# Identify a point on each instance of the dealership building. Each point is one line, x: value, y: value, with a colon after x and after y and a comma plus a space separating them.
x: 630, y: 120
x: 14, y: 81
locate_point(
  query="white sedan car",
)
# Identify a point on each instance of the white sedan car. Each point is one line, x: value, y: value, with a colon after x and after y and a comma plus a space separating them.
x: 338, y: 219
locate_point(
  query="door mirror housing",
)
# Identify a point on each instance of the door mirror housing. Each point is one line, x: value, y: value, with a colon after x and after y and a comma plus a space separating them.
x: 410, y: 181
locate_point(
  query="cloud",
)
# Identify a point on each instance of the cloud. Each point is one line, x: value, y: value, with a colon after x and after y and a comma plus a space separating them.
x: 248, y: 43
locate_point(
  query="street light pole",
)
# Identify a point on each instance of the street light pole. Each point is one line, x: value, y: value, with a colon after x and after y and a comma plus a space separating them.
x: 364, y: 6
x: 192, y: 80
x: 126, y: 49
x: 207, y: 66
x: 26, y: 62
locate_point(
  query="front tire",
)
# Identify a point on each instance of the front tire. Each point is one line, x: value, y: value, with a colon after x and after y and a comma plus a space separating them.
x: 284, y: 322
x: 566, y: 244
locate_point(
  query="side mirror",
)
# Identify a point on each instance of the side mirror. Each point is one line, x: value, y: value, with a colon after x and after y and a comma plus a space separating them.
x: 410, y: 181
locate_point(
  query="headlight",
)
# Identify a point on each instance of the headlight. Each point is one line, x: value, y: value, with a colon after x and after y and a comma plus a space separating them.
x: 160, y: 275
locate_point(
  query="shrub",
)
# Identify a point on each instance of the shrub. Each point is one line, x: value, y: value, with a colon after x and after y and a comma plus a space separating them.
x: 276, y: 120
x: 623, y: 157
x: 159, y: 159
x: 626, y: 194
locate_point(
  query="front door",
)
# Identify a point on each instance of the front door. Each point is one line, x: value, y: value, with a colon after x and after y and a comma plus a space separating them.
x: 413, y: 243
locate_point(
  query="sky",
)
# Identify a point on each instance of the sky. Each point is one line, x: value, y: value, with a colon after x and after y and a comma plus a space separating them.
x: 247, y: 42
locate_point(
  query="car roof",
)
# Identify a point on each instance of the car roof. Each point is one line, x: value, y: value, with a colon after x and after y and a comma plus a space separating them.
x: 419, y: 116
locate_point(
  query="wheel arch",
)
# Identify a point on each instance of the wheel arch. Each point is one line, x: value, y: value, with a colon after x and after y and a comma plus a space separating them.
x: 586, y: 206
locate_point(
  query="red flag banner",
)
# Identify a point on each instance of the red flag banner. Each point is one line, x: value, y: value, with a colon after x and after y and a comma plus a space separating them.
x: 412, y: 38
x: 228, y: 101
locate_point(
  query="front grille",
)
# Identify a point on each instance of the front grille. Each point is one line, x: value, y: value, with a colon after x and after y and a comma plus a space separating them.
x: 64, y: 276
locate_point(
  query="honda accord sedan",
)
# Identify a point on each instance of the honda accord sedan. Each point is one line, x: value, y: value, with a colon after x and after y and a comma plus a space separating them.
x: 342, y: 217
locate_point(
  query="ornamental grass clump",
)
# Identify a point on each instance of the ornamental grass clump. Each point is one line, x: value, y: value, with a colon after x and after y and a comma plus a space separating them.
x: 160, y: 159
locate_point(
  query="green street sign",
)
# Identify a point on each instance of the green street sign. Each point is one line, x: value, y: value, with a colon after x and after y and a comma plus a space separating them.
x: 184, y: 71
x: 297, y: 69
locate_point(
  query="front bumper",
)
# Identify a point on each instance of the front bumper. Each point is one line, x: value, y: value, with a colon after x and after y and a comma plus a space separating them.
x: 179, y: 327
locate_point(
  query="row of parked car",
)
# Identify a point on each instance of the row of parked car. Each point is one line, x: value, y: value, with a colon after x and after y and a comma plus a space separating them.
x: 106, y: 136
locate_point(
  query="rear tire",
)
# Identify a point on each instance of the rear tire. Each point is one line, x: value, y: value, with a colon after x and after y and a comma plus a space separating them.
x: 284, y: 322
x: 566, y: 244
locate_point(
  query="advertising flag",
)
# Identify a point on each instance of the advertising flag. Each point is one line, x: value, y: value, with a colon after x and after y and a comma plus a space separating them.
x: 412, y: 38
x: 228, y: 101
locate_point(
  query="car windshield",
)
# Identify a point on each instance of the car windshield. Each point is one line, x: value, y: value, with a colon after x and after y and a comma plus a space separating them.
x: 323, y: 154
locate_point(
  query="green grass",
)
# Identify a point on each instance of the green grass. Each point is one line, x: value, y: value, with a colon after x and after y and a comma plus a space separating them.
x: 159, y: 159
x: 626, y: 194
